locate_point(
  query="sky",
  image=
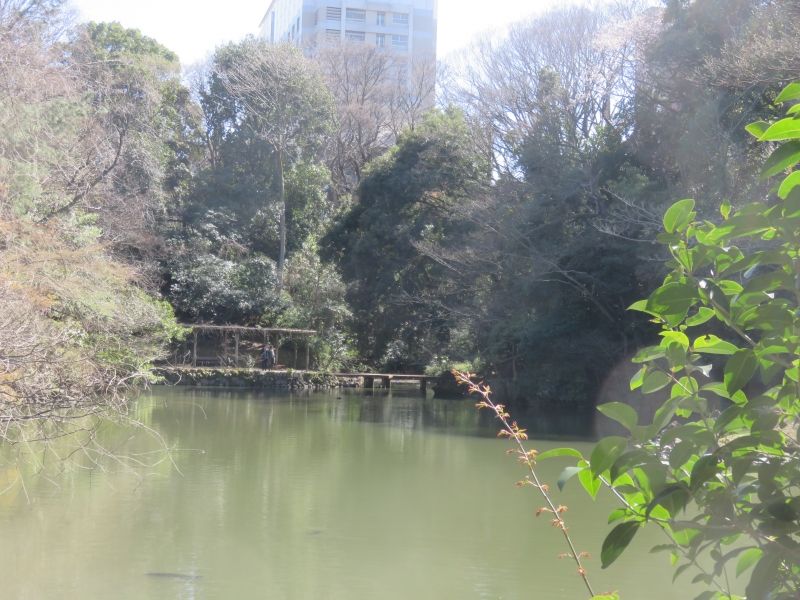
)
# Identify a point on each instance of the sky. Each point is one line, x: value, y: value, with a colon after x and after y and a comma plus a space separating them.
x: 193, y: 29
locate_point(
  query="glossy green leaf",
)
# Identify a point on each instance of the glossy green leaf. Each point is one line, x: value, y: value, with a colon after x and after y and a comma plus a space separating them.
x: 789, y: 93
x: 784, y: 157
x: 663, y: 416
x: 628, y: 461
x: 654, y: 381
x: 672, y: 300
x: 791, y: 206
x: 589, y: 482
x: 747, y: 559
x: 678, y: 215
x: 720, y: 390
x: 638, y: 379
x: 785, y: 129
x: 681, y: 453
x: 648, y: 354
x: 556, y: 452
x: 768, y: 282
x: 672, y: 497
x: 739, y: 370
x: 788, y: 184
x: 566, y: 475
x: 685, y: 535
x: 675, y: 336
x: 676, y: 354
x: 729, y: 287
x: 757, y: 128
x: 730, y: 416
x: 623, y: 414
x: 711, y: 344
x: 741, y: 225
x: 704, y: 470
x: 616, y: 515
x: 765, y: 574
x: 605, y: 452
x: 616, y: 542
x: 703, y: 315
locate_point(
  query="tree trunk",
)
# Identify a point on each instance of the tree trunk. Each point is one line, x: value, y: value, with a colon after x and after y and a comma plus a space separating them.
x: 282, y: 223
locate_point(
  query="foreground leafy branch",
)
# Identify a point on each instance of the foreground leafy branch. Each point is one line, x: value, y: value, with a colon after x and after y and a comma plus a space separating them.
x: 717, y: 467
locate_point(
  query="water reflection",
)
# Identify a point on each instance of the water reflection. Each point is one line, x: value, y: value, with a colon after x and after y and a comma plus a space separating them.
x: 344, y: 496
x: 408, y: 410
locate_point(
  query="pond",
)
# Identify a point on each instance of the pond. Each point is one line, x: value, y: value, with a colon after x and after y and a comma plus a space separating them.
x: 341, y: 495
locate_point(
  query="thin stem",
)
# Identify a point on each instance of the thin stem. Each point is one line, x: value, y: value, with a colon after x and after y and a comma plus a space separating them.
x: 513, y: 432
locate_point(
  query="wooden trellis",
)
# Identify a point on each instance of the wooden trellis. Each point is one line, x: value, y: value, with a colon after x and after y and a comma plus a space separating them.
x: 264, y: 333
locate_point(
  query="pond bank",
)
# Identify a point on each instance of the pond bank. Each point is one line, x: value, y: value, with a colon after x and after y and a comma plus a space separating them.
x: 296, y: 379
x: 287, y: 380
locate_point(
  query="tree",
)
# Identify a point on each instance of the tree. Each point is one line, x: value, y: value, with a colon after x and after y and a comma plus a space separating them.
x: 138, y: 115
x: 79, y: 330
x: 283, y: 98
x: 376, y: 99
x: 560, y: 244
x: 555, y: 63
x: 90, y: 122
x: 229, y: 221
x: 409, y: 197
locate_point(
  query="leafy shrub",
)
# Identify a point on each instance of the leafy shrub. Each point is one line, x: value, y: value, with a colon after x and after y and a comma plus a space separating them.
x: 76, y: 331
x: 442, y: 364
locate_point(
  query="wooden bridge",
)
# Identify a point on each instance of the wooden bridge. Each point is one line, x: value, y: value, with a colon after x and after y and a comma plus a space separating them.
x: 368, y: 379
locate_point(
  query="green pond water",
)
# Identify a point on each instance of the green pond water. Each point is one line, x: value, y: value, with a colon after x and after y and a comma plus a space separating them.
x: 323, y: 496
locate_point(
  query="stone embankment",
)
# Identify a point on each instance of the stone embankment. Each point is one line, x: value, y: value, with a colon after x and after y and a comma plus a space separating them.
x: 289, y: 380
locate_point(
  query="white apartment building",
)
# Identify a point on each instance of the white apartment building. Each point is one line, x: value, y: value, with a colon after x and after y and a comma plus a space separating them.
x: 407, y: 28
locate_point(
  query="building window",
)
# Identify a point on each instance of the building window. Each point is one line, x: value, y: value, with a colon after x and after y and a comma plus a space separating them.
x: 333, y: 34
x: 356, y: 14
x: 400, y: 42
x: 355, y: 36
x: 400, y: 19
x: 381, y: 19
x: 380, y: 40
x: 334, y: 13
x: 272, y: 27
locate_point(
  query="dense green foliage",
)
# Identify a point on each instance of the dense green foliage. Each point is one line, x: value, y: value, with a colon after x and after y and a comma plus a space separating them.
x: 716, y: 467
x: 414, y: 196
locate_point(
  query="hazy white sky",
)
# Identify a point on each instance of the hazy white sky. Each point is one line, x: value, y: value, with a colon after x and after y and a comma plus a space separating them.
x: 194, y: 28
